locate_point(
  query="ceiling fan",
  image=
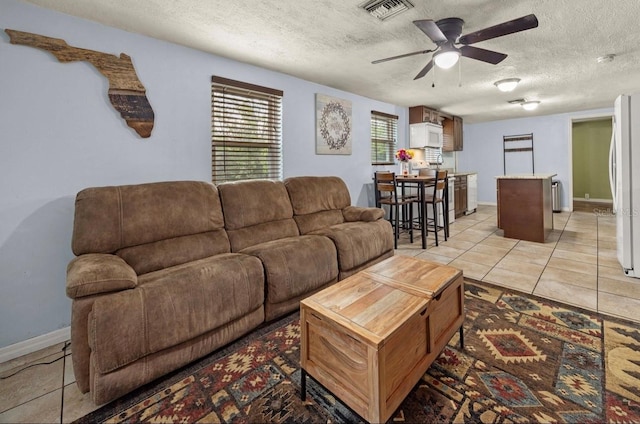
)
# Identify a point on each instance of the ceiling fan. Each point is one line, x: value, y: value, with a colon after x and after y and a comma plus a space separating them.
x: 445, y: 33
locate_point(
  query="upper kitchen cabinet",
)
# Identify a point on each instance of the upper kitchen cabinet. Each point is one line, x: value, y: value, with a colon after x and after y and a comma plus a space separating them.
x: 418, y: 114
x: 452, y: 134
x: 451, y: 125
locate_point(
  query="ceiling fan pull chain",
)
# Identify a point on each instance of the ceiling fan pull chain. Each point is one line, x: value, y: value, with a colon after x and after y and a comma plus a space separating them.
x: 433, y: 83
x: 459, y: 73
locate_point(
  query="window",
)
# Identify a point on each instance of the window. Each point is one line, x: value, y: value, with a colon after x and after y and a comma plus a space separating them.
x: 433, y: 155
x: 384, y: 134
x: 246, y: 131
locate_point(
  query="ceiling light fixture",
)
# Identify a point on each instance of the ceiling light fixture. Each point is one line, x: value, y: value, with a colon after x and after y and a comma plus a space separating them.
x: 530, y: 105
x: 606, y: 58
x: 526, y: 104
x: 445, y: 59
x: 508, y: 84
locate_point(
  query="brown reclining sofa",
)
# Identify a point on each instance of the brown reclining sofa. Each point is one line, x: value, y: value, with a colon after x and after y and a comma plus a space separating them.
x: 166, y: 273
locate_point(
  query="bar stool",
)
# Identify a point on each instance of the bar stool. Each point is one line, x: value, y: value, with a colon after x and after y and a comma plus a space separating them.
x: 436, y: 199
x: 386, y: 189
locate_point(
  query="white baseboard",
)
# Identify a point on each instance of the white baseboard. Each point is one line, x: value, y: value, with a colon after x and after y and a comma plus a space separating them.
x: 582, y: 199
x: 34, y: 344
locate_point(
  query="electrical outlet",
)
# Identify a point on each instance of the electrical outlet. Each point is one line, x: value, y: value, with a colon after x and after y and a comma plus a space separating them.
x: 586, y: 196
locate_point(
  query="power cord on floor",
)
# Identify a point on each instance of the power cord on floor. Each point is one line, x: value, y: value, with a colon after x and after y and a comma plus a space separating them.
x: 64, y: 349
x: 64, y: 367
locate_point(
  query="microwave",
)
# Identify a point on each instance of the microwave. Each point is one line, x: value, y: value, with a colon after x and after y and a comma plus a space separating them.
x: 425, y: 134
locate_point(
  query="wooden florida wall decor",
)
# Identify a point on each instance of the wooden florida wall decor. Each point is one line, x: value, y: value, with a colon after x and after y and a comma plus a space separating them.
x: 126, y: 92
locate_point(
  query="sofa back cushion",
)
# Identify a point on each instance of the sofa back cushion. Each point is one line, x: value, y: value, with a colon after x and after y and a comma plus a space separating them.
x: 151, y: 226
x: 317, y: 201
x: 256, y: 211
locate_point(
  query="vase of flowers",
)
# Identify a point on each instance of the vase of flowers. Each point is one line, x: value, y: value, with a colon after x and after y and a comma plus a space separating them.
x: 404, y: 156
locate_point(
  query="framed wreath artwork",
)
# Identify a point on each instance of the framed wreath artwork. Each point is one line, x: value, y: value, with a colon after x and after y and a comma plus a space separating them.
x: 333, y: 126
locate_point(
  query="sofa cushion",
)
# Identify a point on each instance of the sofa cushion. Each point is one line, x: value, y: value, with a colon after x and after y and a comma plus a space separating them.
x: 172, y: 306
x: 174, y: 251
x: 255, y: 212
x: 315, y: 194
x: 314, y: 221
x: 317, y: 201
x: 359, y: 242
x: 296, y: 265
x: 112, y: 218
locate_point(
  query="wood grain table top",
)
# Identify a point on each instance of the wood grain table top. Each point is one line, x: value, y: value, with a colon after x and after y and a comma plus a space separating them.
x: 375, y: 302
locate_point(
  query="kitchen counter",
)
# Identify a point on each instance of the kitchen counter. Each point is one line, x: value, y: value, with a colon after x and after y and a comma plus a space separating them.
x: 452, y: 173
x: 525, y: 206
x: 526, y: 176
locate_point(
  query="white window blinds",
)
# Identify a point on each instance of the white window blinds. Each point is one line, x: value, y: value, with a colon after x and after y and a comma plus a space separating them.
x: 384, y: 135
x: 246, y: 131
x: 433, y: 155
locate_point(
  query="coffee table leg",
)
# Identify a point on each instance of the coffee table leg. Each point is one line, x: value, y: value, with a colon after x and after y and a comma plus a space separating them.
x: 303, y: 384
x: 461, y: 338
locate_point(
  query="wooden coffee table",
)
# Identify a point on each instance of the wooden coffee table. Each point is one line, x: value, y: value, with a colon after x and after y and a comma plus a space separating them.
x: 370, y: 337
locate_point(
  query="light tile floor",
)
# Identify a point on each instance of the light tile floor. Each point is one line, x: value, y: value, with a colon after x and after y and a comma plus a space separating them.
x: 577, y: 265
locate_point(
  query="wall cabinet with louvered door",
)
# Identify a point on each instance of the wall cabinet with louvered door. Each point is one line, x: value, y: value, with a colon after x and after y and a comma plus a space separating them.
x: 452, y: 130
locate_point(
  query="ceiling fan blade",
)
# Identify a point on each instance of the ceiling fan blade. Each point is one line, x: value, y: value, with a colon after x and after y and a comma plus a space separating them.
x: 516, y: 25
x: 432, y: 30
x: 401, y: 56
x: 488, y: 56
x: 425, y: 70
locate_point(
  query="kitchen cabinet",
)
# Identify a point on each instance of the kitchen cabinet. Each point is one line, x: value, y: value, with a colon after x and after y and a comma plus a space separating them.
x: 460, y: 193
x: 452, y: 134
x: 525, y: 206
x: 457, y: 133
x: 418, y: 114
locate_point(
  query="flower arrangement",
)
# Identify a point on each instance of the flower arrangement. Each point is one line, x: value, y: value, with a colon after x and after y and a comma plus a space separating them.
x: 404, y: 155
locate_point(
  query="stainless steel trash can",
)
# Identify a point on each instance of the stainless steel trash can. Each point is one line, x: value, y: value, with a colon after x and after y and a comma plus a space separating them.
x: 555, y: 196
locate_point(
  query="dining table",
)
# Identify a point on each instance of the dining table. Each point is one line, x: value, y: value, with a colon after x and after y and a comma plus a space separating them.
x: 421, y: 182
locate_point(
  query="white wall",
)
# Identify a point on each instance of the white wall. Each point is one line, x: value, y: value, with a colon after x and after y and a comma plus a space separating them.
x: 59, y: 134
x: 483, y: 149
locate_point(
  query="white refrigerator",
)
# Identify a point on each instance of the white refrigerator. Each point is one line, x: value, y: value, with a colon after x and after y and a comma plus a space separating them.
x: 624, y: 178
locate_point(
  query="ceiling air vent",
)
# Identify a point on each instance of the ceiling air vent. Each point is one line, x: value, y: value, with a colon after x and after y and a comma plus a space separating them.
x: 385, y: 9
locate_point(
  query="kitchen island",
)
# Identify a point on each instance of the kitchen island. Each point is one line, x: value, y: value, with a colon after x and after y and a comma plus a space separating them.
x: 524, y: 206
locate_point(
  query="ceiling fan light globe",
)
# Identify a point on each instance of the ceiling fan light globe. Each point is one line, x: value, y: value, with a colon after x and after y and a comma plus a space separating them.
x: 532, y: 105
x: 446, y: 59
x: 508, y: 84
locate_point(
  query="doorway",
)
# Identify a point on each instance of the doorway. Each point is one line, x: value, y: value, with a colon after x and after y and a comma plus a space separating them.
x: 590, y: 140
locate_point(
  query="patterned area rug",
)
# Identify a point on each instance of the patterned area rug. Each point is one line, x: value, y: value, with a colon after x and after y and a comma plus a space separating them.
x: 525, y: 360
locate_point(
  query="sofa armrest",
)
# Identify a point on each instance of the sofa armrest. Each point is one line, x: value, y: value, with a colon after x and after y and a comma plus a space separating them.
x: 356, y: 213
x: 96, y: 273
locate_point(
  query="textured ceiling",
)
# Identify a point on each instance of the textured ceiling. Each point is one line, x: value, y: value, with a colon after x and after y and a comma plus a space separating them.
x: 333, y: 42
